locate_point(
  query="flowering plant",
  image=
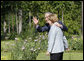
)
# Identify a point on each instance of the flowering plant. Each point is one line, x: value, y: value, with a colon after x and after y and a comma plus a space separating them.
x: 29, y: 48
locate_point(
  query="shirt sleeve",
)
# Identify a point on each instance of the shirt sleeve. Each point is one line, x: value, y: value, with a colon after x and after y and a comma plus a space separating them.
x: 37, y: 26
x: 65, y: 42
x: 42, y: 29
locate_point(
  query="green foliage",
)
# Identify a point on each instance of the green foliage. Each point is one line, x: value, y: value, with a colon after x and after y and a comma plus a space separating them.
x: 12, y: 35
x: 29, y: 48
x: 71, y: 9
x: 76, y: 43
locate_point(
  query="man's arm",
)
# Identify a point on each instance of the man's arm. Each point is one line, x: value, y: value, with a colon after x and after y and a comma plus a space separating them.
x: 42, y: 29
x: 39, y: 28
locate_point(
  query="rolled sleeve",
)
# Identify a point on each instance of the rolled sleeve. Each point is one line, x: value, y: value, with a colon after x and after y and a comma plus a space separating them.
x: 37, y: 26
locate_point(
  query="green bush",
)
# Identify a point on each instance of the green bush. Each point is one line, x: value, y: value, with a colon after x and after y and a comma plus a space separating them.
x: 76, y: 43
x: 12, y: 35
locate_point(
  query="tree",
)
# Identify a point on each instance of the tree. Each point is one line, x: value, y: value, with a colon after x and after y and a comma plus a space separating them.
x: 17, y: 24
x: 20, y: 21
x: 5, y: 27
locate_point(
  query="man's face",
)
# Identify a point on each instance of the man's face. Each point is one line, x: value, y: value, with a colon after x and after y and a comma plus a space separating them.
x: 46, y: 17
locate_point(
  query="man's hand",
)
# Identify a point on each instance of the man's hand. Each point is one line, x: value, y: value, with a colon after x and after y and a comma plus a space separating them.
x: 35, y: 20
x: 59, y: 25
x: 67, y: 49
x: 47, y: 53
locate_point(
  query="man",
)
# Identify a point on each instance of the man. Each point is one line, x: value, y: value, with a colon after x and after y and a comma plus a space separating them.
x: 47, y: 26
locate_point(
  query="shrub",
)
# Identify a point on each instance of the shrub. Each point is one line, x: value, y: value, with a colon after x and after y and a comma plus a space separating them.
x: 29, y: 48
x: 76, y: 43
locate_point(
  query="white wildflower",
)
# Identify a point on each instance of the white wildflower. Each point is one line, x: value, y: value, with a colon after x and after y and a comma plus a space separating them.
x: 43, y: 37
x: 16, y: 38
x: 30, y: 38
x: 23, y: 47
x: 72, y: 37
x: 39, y: 48
x: 34, y: 50
x: 35, y: 40
x: 6, y: 38
x: 25, y: 40
x: 31, y: 49
x: 40, y: 35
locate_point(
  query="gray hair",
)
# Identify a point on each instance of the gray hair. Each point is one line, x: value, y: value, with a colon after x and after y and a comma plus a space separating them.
x: 48, y: 13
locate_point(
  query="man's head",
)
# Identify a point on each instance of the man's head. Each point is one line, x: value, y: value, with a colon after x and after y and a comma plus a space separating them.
x: 46, y: 15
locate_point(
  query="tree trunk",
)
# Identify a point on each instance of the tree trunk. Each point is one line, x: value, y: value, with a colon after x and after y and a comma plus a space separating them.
x: 17, y: 24
x: 12, y: 23
x: 20, y: 21
x: 4, y: 26
x: 9, y: 23
x: 30, y: 20
x: 12, y: 19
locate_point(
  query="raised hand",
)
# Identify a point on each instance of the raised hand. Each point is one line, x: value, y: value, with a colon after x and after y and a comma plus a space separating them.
x: 35, y: 20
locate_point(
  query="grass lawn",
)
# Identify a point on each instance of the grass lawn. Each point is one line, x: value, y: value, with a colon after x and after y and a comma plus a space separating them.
x: 6, y: 46
x: 66, y: 56
x: 5, y: 49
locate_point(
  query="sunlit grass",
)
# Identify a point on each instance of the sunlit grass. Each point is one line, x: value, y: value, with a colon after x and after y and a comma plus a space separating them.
x: 6, y: 55
x: 5, y: 49
x: 66, y: 56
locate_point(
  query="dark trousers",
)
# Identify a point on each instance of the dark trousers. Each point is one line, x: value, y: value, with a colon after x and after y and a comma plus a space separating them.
x: 56, y: 56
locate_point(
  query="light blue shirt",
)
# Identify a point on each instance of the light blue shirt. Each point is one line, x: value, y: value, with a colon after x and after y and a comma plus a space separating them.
x: 56, y: 40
